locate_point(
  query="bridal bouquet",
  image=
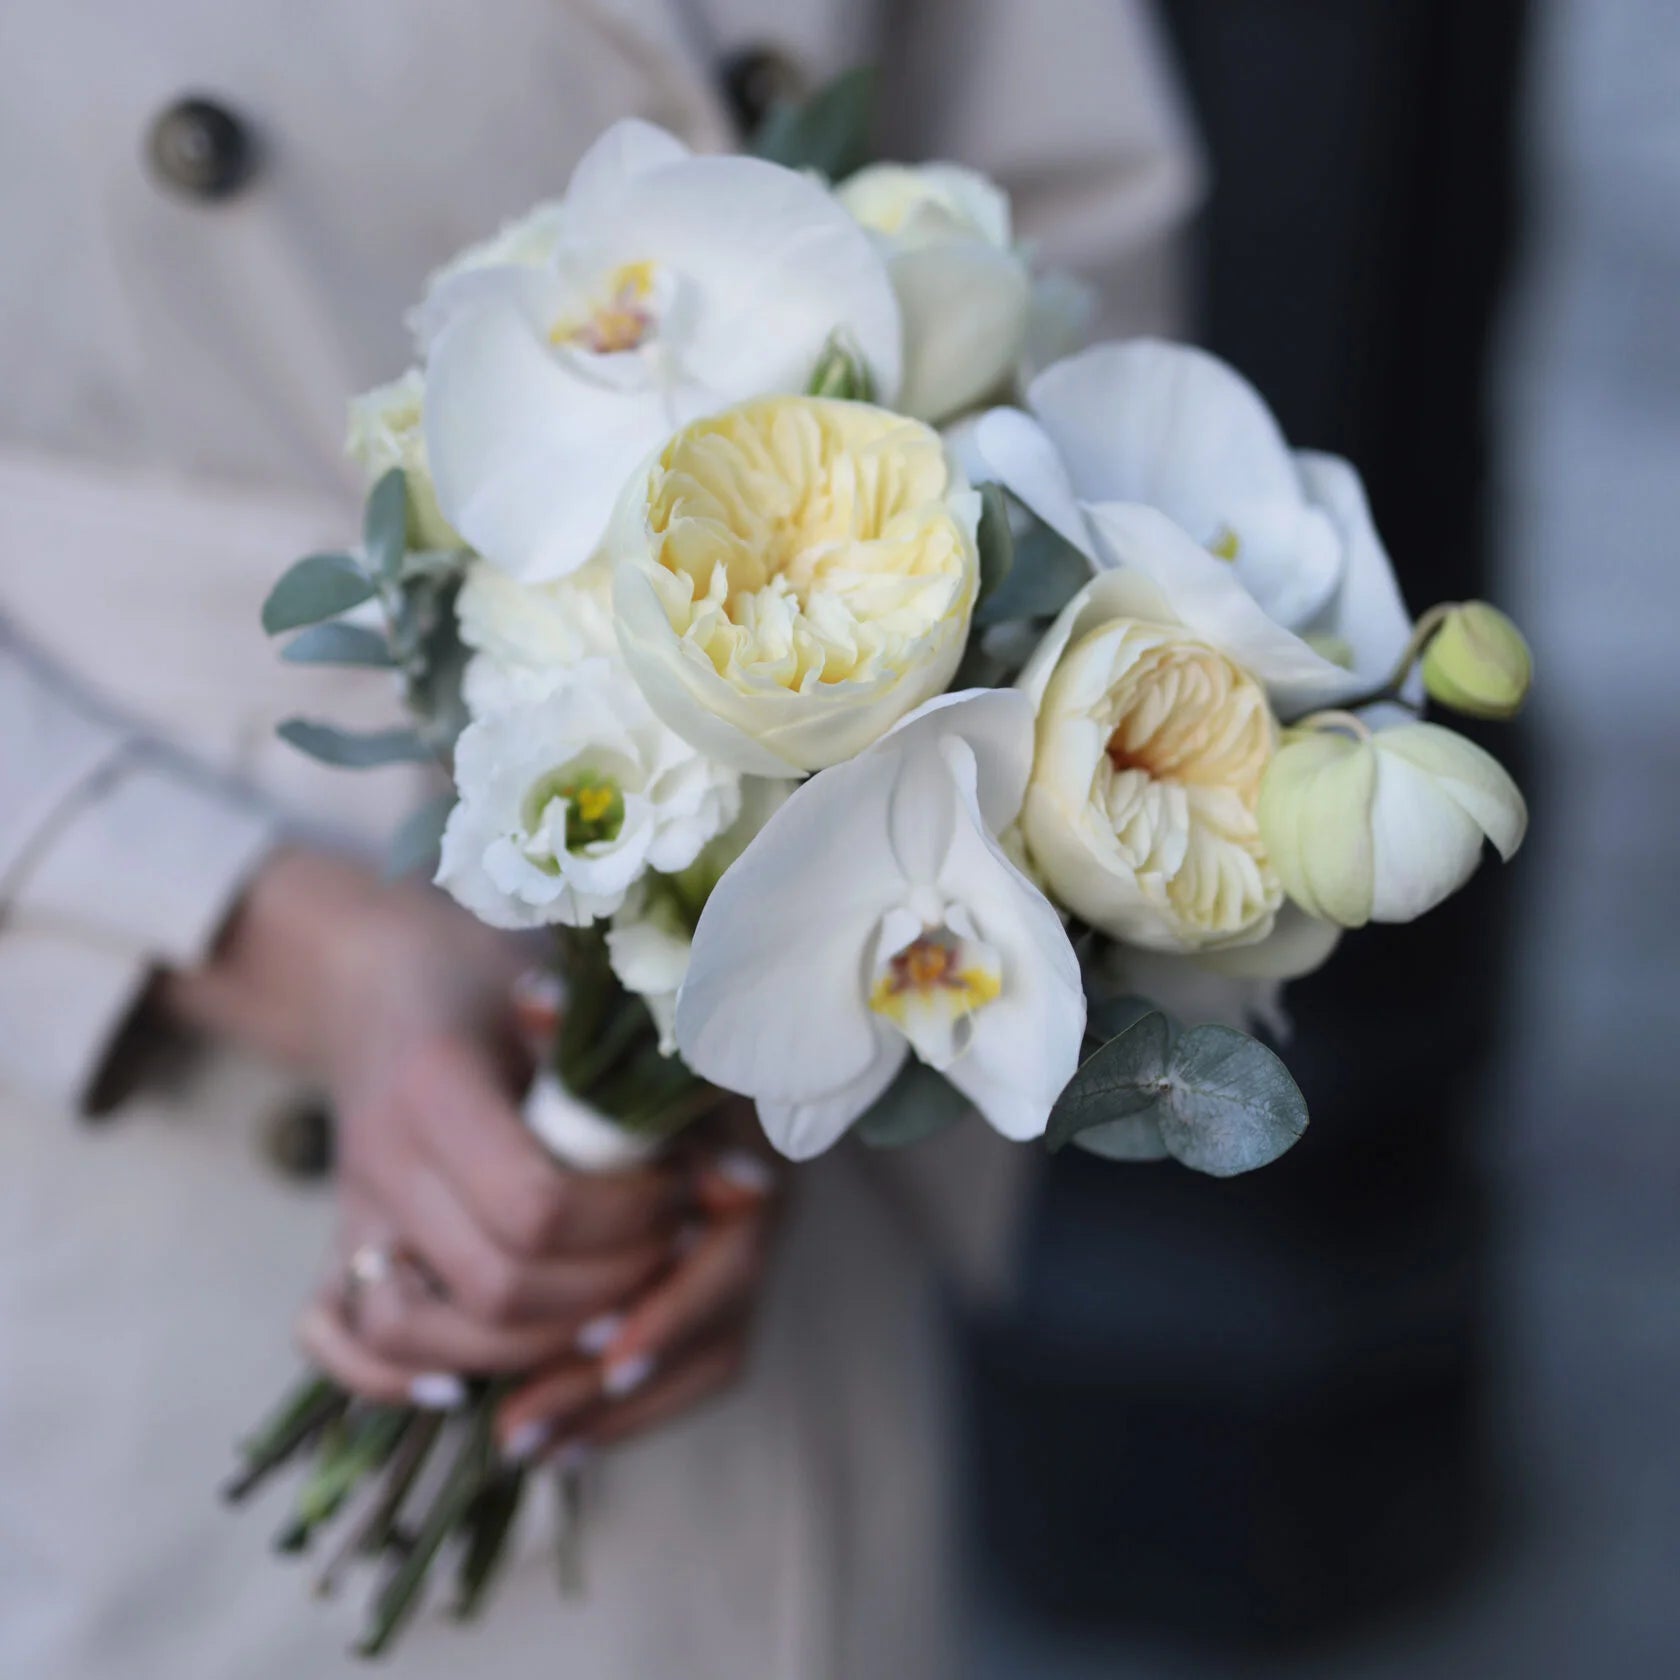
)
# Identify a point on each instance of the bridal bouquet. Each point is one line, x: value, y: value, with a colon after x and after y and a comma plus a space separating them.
x: 879, y: 773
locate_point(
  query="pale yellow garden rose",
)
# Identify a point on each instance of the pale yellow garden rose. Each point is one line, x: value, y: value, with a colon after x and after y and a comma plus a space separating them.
x: 1151, y: 747
x: 793, y: 575
x: 385, y: 432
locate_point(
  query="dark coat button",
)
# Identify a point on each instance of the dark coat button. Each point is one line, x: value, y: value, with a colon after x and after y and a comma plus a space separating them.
x: 299, y: 1142
x: 757, y: 79
x: 202, y: 149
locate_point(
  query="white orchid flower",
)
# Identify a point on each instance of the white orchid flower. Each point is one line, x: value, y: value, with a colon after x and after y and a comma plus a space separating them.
x: 677, y: 285
x: 876, y: 915
x: 1283, y: 551
x: 569, y: 797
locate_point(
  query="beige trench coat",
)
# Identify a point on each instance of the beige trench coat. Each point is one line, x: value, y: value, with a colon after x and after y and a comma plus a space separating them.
x: 176, y: 373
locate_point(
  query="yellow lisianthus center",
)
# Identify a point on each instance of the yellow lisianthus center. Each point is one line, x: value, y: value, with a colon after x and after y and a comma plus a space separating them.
x: 801, y: 541
x: 623, y: 319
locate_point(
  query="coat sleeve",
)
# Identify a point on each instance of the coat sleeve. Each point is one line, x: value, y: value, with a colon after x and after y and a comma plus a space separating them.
x: 1074, y: 108
x: 116, y: 857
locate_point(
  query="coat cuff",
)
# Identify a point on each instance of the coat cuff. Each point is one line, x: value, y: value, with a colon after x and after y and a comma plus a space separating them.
x: 138, y: 873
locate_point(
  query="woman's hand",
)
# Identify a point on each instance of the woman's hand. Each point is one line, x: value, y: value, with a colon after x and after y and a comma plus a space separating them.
x: 401, y: 1005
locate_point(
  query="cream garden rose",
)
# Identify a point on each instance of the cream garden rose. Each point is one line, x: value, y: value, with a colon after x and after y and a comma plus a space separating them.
x: 792, y: 576
x: 1152, y: 744
x: 386, y: 431
x: 963, y: 287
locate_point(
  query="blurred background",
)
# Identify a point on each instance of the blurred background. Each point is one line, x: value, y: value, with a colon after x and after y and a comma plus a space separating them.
x: 1404, y: 1404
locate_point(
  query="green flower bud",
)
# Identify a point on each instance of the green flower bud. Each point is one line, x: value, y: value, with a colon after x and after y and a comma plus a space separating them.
x: 1478, y: 663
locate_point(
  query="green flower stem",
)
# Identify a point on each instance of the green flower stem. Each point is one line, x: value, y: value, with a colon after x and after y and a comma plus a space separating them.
x: 308, y: 1407
x: 355, y: 1447
x: 399, y: 1597
x: 488, y: 1525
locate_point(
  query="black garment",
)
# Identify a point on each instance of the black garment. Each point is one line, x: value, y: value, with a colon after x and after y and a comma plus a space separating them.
x: 1254, y: 1409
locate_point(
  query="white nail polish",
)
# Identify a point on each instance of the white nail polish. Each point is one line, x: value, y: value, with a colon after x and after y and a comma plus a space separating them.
x: 746, y: 1171
x: 599, y: 1334
x: 572, y: 1457
x: 527, y: 1441
x: 627, y: 1376
x: 437, y: 1391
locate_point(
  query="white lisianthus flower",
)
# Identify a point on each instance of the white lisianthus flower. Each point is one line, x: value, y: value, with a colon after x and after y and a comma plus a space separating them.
x: 792, y: 576
x: 1152, y: 743
x: 521, y: 633
x: 653, y: 932
x: 963, y: 287
x: 568, y: 798
x: 1384, y: 827
x: 807, y: 990
x: 386, y: 431
x: 678, y: 285
x: 1284, y: 549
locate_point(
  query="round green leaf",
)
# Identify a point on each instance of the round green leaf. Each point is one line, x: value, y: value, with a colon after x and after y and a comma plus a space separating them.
x: 1230, y: 1105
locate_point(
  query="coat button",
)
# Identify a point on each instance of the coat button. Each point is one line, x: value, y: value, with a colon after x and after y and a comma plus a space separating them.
x: 299, y: 1142
x: 757, y: 79
x: 201, y: 149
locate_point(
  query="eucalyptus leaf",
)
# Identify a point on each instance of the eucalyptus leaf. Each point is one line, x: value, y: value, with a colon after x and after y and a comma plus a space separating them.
x: 1107, y: 1016
x: 1124, y: 1078
x: 1132, y: 1137
x: 350, y: 751
x: 338, y: 644
x: 918, y: 1104
x: 316, y: 588
x: 1048, y: 572
x: 385, y: 523
x: 829, y: 132
x: 414, y: 847
x: 995, y: 540
x: 1233, y: 1106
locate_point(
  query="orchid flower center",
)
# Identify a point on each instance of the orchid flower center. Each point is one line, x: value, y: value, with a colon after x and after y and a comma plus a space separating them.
x: 932, y: 985
x: 623, y: 317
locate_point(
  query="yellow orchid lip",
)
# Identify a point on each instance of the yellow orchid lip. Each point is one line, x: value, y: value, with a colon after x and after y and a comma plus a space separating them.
x: 623, y: 320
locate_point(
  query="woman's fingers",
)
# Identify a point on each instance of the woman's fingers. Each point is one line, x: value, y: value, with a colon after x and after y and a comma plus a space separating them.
x: 537, y: 1414
x: 718, y: 1277
x: 463, y: 1120
x: 705, y: 1370
x: 328, y: 1342
x: 411, y: 1329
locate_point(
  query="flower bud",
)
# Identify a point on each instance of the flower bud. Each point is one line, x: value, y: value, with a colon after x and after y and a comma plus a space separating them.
x: 1384, y: 828
x: 1478, y: 663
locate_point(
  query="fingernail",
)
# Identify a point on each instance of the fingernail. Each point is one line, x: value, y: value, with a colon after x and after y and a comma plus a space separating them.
x: 599, y: 1334
x: 572, y: 1457
x: 745, y: 1171
x: 437, y: 1391
x: 527, y: 1441
x: 626, y: 1376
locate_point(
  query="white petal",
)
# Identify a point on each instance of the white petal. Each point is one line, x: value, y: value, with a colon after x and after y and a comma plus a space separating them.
x: 1019, y: 455
x: 629, y: 148
x: 801, y: 1130
x: 527, y: 459
x: 1367, y: 610
x: 965, y: 316
x: 1207, y: 597
x: 1166, y: 424
x: 773, y: 266
x: 1424, y: 846
x: 1109, y: 595
x: 1473, y: 779
x: 997, y: 724
x: 1026, y: 1042
x: 774, y: 1004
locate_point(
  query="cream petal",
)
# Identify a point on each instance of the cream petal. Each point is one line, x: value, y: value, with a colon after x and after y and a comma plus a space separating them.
x: 1473, y: 779
x: 1424, y: 845
x: 1206, y: 596
x: 965, y: 316
x: 1165, y: 424
x: 527, y: 459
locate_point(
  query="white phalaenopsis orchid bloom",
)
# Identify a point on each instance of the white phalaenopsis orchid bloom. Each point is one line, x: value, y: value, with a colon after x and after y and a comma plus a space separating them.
x: 676, y: 286
x: 568, y: 797
x: 1283, y: 550
x: 876, y: 914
